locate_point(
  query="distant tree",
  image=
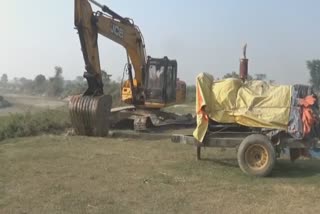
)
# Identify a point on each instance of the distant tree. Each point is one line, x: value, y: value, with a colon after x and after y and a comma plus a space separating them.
x: 26, y: 85
x: 23, y: 79
x: 79, y: 85
x: 314, y: 71
x: 56, y: 83
x: 16, y: 84
x: 234, y: 74
x: 106, y: 78
x: 40, y: 79
x: 4, y: 79
x: 111, y: 87
x: 190, y: 93
x: 15, y: 80
x: 58, y: 71
x: 260, y: 76
x: 79, y: 79
x: 40, y: 84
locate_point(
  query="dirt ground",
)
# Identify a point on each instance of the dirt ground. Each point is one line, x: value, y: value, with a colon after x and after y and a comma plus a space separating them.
x: 64, y: 174
x: 26, y: 103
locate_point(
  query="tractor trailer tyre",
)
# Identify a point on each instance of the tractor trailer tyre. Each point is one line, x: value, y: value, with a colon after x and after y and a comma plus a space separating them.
x: 256, y: 155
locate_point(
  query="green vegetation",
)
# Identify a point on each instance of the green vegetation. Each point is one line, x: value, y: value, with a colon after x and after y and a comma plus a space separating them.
x: 31, y: 124
x: 57, y: 86
x: 234, y: 74
x: 40, y: 84
x: 4, y: 79
x: 113, y: 88
x: 4, y: 103
x: 314, y: 71
x: 56, y: 83
x: 191, y: 94
x: 263, y: 77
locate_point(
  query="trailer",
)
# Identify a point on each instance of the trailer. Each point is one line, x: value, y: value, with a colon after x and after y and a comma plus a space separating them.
x: 260, y: 119
x: 257, y: 151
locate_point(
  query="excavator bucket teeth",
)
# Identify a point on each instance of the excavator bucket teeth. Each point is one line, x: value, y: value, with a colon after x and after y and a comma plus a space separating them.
x: 90, y: 115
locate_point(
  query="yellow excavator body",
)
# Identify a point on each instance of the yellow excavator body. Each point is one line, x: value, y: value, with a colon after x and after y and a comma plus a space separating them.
x: 152, y: 82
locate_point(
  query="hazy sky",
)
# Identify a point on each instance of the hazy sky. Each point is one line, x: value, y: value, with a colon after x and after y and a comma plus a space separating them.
x: 203, y: 35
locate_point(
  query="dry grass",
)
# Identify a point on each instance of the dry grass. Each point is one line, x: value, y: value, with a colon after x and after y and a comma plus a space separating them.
x: 58, y: 174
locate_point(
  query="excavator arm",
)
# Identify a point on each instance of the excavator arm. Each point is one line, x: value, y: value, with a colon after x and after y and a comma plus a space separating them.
x: 118, y: 29
x: 88, y: 36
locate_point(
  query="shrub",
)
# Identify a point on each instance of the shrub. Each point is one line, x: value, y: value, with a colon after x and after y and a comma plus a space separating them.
x: 31, y: 124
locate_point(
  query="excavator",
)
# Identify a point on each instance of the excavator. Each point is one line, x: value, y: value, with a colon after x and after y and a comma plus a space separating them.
x: 152, y: 82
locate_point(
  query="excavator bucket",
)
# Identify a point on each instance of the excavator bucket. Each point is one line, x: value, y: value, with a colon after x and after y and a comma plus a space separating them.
x: 90, y: 114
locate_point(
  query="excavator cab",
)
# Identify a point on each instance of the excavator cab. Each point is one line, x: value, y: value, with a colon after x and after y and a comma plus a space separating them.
x: 160, y: 82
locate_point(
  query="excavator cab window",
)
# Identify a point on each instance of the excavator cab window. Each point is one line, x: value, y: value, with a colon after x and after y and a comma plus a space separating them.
x: 160, y: 80
x: 171, y: 77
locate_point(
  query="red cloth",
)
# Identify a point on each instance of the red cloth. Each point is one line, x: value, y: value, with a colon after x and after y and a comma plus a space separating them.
x: 307, y: 114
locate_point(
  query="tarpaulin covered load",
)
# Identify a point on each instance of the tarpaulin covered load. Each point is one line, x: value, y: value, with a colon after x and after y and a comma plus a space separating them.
x: 254, y: 103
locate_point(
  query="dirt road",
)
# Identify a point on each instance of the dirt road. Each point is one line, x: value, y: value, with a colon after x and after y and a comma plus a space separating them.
x: 25, y: 103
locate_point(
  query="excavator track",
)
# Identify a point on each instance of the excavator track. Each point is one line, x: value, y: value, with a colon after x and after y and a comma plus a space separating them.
x: 130, y: 117
x: 90, y: 114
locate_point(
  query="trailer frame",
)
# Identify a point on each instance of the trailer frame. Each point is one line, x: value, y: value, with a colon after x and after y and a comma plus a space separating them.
x: 235, y: 139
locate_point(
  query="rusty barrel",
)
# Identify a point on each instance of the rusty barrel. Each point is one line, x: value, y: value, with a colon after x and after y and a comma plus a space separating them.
x: 244, y: 69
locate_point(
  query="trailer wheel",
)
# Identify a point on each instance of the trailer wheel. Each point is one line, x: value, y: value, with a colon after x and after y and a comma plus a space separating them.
x: 256, y: 155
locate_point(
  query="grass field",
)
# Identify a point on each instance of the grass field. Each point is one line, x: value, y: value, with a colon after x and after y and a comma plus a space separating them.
x: 70, y: 174
x: 64, y: 174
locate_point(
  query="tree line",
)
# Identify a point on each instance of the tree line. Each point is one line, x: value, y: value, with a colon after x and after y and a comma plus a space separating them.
x: 57, y: 86
x: 40, y: 85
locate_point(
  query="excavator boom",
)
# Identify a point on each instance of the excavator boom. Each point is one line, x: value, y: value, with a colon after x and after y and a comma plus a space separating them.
x: 88, y: 36
x: 127, y: 35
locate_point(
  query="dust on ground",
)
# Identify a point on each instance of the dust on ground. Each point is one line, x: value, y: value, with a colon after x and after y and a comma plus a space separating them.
x: 64, y: 174
x: 27, y: 103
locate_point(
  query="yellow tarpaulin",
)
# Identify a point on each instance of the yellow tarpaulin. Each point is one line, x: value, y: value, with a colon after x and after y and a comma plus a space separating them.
x: 253, y: 103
